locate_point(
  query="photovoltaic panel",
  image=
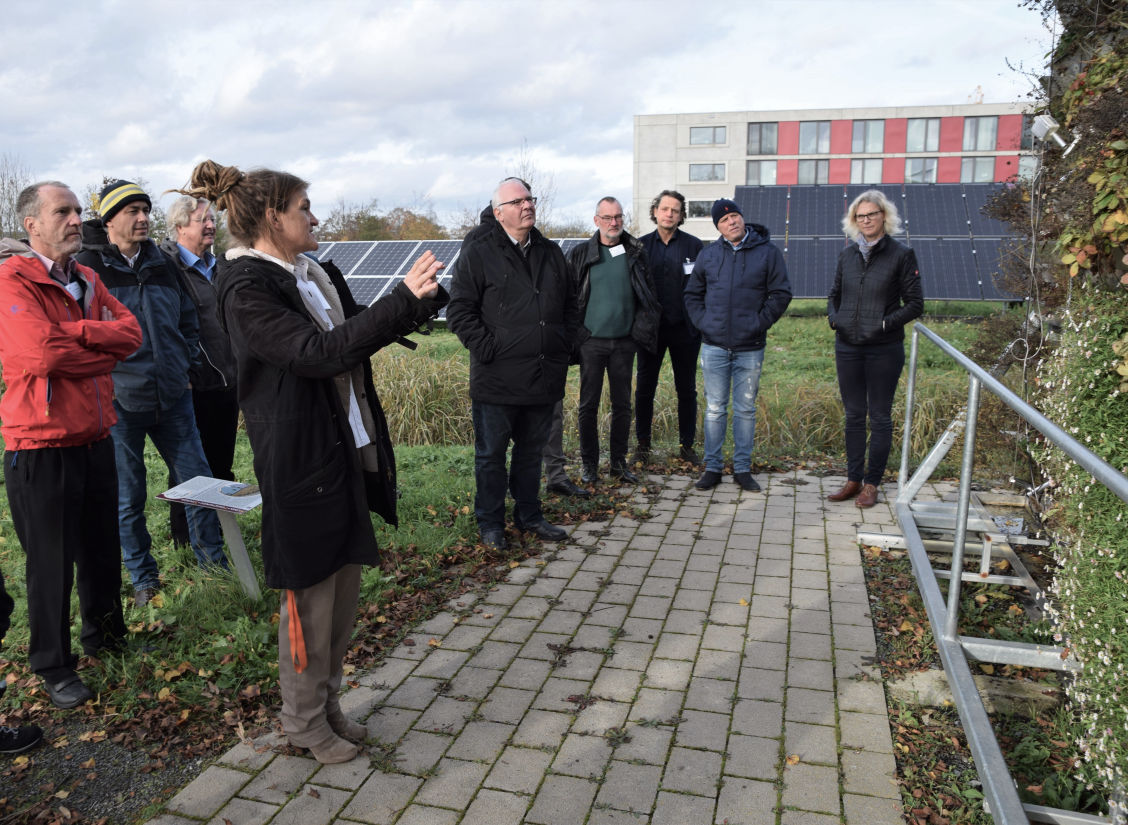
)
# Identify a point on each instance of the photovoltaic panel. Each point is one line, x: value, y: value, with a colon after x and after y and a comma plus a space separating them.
x: 346, y: 254
x: 366, y: 290
x: 978, y: 195
x: 935, y: 210
x: 947, y: 268
x: 323, y: 249
x: 810, y: 265
x: 568, y: 244
x: 445, y: 251
x: 765, y: 205
x: 989, y: 256
x: 815, y: 211
x: 386, y: 259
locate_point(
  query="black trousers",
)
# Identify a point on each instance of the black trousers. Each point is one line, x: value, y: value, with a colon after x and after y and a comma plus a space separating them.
x: 615, y: 356
x: 867, y: 381
x: 684, y: 347
x: 217, y: 419
x: 495, y: 427
x: 64, y: 506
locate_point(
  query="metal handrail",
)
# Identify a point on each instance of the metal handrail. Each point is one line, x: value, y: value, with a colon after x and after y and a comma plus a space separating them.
x: 1000, y: 794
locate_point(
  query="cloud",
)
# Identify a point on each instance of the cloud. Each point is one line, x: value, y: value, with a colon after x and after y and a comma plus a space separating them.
x: 434, y: 99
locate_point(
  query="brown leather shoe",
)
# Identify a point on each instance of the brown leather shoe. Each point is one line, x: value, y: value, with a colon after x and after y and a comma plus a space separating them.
x: 867, y: 497
x: 848, y: 491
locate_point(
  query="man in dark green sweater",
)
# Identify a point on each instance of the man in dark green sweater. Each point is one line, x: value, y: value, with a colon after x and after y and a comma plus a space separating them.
x: 620, y: 312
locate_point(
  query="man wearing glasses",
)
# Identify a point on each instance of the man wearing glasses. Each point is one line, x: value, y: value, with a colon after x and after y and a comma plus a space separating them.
x: 513, y: 305
x: 212, y: 375
x: 620, y: 312
x: 737, y: 290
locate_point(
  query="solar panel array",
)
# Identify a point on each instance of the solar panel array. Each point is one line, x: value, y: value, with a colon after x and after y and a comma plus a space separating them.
x: 373, y: 268
x: 958, y: 247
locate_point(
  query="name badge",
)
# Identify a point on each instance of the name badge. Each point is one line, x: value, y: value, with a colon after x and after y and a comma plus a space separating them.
x: 615, y: 251
x: 687, y: 267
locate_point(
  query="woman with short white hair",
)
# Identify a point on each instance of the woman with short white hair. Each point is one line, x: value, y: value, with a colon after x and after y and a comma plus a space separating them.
x: 876, y: 293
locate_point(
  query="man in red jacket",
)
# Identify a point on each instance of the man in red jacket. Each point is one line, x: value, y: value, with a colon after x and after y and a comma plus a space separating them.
x: 61, y: 334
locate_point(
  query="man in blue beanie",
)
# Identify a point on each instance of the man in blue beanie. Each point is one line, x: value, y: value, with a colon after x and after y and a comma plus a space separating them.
x: 738, y: 289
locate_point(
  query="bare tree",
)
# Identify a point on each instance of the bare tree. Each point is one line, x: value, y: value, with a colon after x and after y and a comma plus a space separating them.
x: 14, y: 176
x: 541, y: 183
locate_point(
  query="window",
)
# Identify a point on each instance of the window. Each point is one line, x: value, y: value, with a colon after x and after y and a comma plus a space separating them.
x: 869, y: 136
x: 763, y: 138
x: 699, y: 209
x: 814, y: 137
x: 920, y: 170
x: 761, y: 173
x: 865, y: 171
x: 923, y: 134
x: 1026, y: 144
x: 706, y: 171
x: 699, y: 135
x: 977, y: 170
x: 814, y: 171
x: 979, y: 133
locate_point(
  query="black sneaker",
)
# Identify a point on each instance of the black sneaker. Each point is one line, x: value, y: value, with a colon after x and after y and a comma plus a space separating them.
x: 18, y: 740
x: 746, y: 482
x: 688, y: 455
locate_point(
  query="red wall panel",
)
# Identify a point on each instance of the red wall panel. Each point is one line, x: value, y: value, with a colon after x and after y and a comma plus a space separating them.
x: 839, y: 170
x: 841, y: 136
x: 1010, y: 132
x: 948, y: 169
x: 787, y: 170
x: 1006, y: 167
x: 789, y: 138
x: 893, y: 169
x: 951, y: 135
x: 895, y: 129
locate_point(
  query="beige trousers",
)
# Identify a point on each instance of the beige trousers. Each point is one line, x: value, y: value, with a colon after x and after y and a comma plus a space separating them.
x: 327, y: 611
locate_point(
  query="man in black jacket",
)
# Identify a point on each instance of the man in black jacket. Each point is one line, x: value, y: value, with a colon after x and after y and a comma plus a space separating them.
x: 513, y: 305
x: 215, y: 402
x: 670, y: 254
x: 151, y: 392
x: 619, y: 313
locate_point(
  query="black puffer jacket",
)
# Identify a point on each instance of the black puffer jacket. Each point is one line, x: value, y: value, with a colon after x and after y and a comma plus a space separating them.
x: 315, y: 493
x: 734, y: 296
x: 870, y: 303
x: 648, y: 312
x: 518, y: 317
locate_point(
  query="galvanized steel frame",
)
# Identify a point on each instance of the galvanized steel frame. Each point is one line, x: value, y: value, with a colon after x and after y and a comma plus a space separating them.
x: 1000, y: 796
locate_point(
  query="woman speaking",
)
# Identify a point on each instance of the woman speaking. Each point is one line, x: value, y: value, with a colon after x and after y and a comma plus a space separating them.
x: 876, y: 293
x: 322, y: 453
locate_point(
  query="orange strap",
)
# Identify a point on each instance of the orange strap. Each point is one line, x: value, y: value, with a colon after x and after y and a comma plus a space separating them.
x: 297, y: 638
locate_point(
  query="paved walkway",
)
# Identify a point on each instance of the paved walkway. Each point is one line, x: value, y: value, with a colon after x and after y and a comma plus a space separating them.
x: 707, y: 665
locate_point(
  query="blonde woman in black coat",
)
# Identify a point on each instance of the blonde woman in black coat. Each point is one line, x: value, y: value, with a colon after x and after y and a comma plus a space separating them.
x: 876, y: 293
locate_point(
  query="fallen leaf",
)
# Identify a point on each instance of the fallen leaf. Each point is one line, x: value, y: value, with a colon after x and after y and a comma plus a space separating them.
x: 988, y: 669
x: 434, y: 643
x: 314, y: 793
x: 981, y: 599
x: 744, y: 602
x: 513, y: 564
x: 793, y: 759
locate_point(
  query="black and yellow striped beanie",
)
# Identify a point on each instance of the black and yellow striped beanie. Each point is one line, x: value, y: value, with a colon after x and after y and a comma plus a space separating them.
x: 116, y: 195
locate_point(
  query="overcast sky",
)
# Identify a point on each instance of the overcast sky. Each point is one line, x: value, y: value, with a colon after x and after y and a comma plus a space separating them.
x: 430, y: 101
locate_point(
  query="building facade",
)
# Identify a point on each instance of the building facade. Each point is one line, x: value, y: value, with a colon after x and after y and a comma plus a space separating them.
x: 705, y: 156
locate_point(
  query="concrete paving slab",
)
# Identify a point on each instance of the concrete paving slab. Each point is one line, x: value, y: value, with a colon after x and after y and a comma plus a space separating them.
x: 724, y: 634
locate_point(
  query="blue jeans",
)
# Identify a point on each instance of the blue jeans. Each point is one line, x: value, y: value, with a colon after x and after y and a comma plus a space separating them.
x: 495, y: 425
x: 726, y: 371
x: 174, y: 434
